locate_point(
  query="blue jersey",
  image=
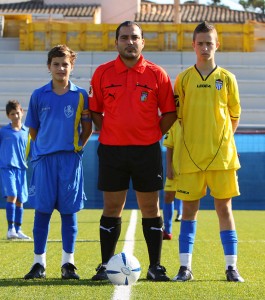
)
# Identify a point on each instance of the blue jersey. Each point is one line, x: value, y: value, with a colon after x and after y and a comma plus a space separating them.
x: 13, y: 146
x: 56, y: 119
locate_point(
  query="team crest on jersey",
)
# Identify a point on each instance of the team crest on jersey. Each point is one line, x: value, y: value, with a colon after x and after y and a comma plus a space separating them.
x: 32, y: 191
x: 90, y: 93
x: 68, y: 111
x: 144, y: 96
x: 218, y: 84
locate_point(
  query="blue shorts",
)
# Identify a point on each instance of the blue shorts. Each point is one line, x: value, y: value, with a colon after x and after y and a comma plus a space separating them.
x: 57, y: 183
x: 14, y: 183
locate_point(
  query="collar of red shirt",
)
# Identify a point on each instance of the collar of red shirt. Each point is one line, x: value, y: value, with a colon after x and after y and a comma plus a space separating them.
x: 138, y: 67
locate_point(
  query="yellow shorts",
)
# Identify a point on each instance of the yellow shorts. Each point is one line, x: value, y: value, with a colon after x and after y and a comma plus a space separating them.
x: 222, y: 184
x: 171, y: 185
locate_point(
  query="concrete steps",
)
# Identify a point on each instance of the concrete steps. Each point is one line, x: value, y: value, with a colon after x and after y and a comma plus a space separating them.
x: 254, y: 90
x: 224, y: 59
x: 248, y: 101
x: 253, y: 116
x: 257, y: 73
x: 25, y: 85
x: 23, y: 71
x: 41, y: 71
x: 241, y: 72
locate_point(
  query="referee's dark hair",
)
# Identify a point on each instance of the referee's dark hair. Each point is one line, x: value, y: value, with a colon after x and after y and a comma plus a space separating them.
x: 125, y: 24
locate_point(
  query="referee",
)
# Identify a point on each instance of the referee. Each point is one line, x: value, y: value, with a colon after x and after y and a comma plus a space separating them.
x: 132, y: 103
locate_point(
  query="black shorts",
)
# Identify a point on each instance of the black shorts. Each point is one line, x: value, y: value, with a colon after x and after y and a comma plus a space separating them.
x: 119, y: 164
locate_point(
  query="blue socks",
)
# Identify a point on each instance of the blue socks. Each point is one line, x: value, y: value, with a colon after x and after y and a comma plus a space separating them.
x: 14, y: 215
x: 18, y: 217
x: 10, y: 214
x: 178, y: 206
x: 168, y: 211
x: 187, y: 236
x: 229, y: 242
x: 40, y: 231
x: 69, y: 232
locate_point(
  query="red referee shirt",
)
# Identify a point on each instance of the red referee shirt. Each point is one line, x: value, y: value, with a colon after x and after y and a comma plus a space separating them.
x: 130, y: 99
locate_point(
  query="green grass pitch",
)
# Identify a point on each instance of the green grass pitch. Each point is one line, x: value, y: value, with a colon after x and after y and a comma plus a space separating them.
x: 208, y: 261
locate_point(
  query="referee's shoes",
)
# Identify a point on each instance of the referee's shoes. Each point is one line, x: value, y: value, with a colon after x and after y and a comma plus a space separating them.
x: 101, y: 273
x: 157, y: 273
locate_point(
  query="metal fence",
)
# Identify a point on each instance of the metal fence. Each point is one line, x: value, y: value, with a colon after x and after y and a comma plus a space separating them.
x: 42, y: 36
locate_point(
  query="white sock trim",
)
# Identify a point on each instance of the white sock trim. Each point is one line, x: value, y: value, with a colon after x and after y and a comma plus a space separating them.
x: 67, y: 258
x: 230, y: 260
x: 185, y: 259
x: 40, y: 258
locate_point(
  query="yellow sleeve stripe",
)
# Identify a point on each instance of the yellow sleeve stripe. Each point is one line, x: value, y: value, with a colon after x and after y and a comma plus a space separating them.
x: 79, y: 111
x: 28, y: 148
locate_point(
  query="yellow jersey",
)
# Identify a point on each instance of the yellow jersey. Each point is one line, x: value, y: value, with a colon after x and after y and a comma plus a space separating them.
x: 172, y: 140
x: 207, y: 104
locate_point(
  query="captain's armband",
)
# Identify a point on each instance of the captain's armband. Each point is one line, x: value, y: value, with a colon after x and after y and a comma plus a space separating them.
x: 86, y: 116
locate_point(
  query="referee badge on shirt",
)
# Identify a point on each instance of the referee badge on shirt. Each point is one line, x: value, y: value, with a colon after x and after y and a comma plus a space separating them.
x: 218, y: 84
x: 144, y: 96
x: 90, y: 93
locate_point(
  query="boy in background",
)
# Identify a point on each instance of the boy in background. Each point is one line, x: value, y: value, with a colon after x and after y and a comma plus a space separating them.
x: 60, y: 125
x: 14, y: 148
x: 171, y: 142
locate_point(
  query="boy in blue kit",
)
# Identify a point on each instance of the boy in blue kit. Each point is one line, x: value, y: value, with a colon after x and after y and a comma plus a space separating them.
x: 14, y: 146
x: 60, y: 125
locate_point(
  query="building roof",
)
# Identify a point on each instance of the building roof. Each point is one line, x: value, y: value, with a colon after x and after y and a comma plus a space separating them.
x: 150, y: 12
x: 38, y: 7
x: 194, y: 13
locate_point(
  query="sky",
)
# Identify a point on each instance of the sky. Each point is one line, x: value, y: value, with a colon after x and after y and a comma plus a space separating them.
x: 233, y: 4
x: 11, y: 1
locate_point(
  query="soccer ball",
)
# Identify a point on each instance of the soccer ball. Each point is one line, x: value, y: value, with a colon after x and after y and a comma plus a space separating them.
x: 123, y: 269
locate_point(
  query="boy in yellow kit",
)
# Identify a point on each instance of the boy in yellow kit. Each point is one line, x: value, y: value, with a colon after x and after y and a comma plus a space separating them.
x: 171, y: 142
x: 209, y: 112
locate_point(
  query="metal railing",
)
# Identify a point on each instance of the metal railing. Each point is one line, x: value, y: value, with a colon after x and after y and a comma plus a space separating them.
x: 42, y: 36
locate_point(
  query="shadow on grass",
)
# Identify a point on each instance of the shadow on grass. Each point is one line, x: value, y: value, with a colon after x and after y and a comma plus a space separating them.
x: 19, y: 282
x: 182, y: 282
x: 59, y: 241
x: 50, y: 282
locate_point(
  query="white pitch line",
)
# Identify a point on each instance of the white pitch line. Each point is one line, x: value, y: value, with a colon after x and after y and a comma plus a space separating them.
x: 122, y: 292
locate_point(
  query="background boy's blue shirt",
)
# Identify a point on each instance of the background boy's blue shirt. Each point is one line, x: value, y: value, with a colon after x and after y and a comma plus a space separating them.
x: 13, y: 145
x: 56, y: 118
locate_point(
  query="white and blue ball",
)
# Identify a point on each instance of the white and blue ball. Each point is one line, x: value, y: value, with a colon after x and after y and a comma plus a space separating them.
x: 123, y: 269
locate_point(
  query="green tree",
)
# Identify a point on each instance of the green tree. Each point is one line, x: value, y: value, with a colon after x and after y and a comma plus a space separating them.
x: 253, y: 3
x: 216, y: 2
